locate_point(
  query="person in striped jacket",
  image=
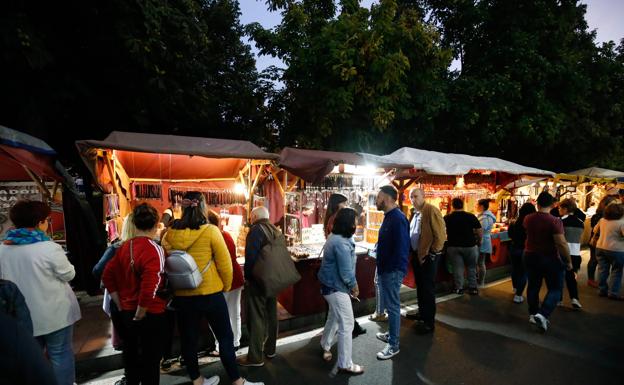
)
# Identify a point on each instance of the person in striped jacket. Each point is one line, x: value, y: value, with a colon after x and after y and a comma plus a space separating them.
x: 134, y: 277
x: 573, y: 230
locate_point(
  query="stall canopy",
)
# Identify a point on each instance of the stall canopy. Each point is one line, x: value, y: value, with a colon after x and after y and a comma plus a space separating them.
x: 21, y: 154
x: 313, y: 165
x: 597, y: 172
x: 438, y: 163
x: 176, y: 157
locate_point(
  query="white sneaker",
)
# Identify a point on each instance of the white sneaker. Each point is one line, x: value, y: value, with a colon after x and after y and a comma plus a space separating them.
x: 576, y: 304
x: 541, y: 322
x: 532, y: 319
x: 387, y: 353
x: 518, y: 299
x: 385, y: 337
x: 214, y: 380
x: 252, y: 383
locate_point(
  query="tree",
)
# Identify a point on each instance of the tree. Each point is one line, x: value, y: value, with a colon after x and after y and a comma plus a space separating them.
x: 146, y: 66
x: 533, y: 86
x: 352, y: 73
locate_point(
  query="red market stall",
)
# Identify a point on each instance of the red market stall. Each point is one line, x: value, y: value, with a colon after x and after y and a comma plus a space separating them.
x: 316, y: 175
x: 29, y: 170
x: 135, y: 167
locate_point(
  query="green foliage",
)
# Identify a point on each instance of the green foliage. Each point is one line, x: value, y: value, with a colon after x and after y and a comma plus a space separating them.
x: 352, y: 73
x: 533, y: 86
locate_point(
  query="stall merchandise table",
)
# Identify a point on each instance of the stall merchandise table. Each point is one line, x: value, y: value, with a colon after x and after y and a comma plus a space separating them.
x: 305, y: 297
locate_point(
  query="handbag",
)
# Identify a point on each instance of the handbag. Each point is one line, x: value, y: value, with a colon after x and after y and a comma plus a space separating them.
x: 274, y: 270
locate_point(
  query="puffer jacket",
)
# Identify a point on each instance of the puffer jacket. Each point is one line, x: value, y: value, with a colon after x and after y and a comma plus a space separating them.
x: 204, y: 244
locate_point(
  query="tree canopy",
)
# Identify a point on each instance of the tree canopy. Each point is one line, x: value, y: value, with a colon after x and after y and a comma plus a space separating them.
x: 521, y: 80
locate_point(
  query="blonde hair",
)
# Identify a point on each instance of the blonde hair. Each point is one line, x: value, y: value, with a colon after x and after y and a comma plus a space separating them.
x: 128, y: 230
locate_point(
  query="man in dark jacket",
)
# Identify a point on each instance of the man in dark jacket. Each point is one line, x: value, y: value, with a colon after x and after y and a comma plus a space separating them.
x: 13, y: 304
x: 261, y: 311
x: 392, y: 259
x: 23, y: 361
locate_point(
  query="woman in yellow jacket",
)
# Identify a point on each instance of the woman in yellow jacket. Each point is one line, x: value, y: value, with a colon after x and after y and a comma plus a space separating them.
x: 204, y: 242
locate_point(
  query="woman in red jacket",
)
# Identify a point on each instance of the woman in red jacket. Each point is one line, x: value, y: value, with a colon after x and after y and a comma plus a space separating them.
x: 232, y: 297
x: 134, y: 277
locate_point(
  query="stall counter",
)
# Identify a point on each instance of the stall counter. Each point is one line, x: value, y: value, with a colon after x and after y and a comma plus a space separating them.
x: 305, y: 297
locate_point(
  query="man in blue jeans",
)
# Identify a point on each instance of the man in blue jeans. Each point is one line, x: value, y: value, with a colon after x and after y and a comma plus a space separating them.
x: 546, y: 256
x: 392, y: 258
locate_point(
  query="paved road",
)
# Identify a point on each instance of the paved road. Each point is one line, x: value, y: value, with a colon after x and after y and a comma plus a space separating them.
x: 478, y: 340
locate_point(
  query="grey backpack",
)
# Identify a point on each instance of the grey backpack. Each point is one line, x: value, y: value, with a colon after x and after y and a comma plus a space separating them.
x: 182, y: 270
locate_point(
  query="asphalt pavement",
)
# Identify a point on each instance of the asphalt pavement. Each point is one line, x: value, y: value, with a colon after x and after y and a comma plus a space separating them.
x: 483, y: 339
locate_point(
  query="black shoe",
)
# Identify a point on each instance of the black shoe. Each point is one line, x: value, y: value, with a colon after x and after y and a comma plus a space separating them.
x: 424, y: 328
x: 122, y: 381
x: 473, y: 291
x: 459, y: 291
x: 602, y: 294
x: 358, y: 331
x: 414, y: 316
x: 165, y: 365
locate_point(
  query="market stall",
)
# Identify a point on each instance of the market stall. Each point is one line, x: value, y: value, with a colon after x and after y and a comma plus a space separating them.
x: 317, y: 175
x: 132, y: 167
x: 29, y: 170
x: 447, y: 176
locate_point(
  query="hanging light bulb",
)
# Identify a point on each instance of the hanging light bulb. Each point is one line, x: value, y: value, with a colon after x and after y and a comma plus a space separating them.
x: 460, y: 182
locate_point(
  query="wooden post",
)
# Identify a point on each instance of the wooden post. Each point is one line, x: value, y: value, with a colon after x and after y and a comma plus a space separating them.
x: 111, y: 173
x: 279, y: 184
x: 250, y: 194
x: 401, y: 190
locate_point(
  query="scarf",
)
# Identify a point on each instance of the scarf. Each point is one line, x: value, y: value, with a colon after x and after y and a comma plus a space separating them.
x: 25, y: 236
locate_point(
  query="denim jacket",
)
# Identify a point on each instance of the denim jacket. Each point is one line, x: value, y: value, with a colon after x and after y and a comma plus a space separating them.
x: 338, y: 267
x: 487, y: 220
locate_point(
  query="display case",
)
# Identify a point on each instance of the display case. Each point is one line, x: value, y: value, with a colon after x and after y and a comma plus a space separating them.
x: 293, y: 202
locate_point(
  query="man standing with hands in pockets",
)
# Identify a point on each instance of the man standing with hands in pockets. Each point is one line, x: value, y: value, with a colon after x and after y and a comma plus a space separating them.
x: 427, y: 236
x: 392, y: 259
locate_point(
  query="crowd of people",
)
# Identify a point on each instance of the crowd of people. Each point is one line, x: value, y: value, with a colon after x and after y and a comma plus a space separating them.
x: 39, y: 305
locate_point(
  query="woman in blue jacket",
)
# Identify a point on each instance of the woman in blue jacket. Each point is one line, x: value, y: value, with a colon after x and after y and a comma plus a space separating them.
x: 338, y: 283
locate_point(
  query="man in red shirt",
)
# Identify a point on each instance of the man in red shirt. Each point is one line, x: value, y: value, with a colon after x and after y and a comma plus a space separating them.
x: 134, y: 277
x: 546, y: 256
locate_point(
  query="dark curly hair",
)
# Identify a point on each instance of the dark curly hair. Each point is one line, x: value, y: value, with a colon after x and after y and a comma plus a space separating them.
x: 344, y: 224
x: 26, y: 213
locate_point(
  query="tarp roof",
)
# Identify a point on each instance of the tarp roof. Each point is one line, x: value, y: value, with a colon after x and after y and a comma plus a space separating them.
x: 314, y: 165
x: 438, y: 163
x: 183, y: 145
x: 154, y: 156
x: 18, y: 149
x: 598, y: 172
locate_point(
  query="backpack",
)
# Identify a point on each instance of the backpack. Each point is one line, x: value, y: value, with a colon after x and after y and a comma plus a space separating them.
x: 274, y: 270
x: 182, y: 270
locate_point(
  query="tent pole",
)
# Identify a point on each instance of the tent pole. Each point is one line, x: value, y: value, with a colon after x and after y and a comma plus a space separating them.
x: 40, y: 185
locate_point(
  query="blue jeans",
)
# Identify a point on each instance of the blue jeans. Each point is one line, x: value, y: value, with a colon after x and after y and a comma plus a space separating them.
x: 610, y: 273
x: 59, y: 347
x: 390, y: 294
x: 518, y: 271
x: 543, y: 268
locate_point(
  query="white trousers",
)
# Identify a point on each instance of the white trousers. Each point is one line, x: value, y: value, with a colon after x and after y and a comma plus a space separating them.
x: 339, y: 323
x: 233, y: 300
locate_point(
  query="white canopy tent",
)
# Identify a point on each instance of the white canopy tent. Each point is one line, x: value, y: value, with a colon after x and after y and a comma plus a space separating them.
x: 598, y: 172
x: 438, y: 163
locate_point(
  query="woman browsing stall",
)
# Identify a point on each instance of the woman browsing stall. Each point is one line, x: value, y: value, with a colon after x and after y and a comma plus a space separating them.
x: 338, y: 283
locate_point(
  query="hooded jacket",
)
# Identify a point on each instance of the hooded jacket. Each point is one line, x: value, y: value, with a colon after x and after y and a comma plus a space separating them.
x: 487, y: 220
x: 205, y: 245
